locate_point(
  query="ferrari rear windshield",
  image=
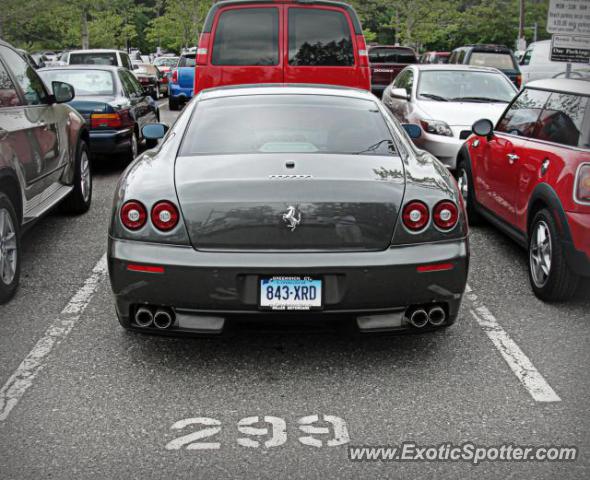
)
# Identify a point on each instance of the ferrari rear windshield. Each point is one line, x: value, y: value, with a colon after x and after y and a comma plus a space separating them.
x: 287, y: 124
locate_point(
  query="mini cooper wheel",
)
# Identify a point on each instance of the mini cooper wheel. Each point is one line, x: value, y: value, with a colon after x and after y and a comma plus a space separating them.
x: 9, y: 249
x: 81, y: 197
x: 465, y: 183
x: 550, y: 276
x: 173, y: 103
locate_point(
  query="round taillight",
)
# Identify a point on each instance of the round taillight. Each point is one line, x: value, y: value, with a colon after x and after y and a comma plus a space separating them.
x: 164, y: 215
x: 415, y: 215
x: 445, y: 215
x: 133, y: 215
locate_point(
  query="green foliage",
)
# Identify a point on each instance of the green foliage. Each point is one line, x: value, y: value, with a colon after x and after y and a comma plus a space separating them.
x: 173, y: 24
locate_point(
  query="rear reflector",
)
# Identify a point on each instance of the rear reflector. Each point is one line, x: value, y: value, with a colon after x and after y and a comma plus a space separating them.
x: 437, y: 267
x: 144, y: 268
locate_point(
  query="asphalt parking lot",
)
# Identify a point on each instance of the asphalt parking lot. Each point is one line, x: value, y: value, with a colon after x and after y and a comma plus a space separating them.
x: 82, y: 398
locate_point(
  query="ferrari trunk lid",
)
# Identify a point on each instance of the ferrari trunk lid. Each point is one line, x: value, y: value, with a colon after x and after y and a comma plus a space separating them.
x: 290, y: 201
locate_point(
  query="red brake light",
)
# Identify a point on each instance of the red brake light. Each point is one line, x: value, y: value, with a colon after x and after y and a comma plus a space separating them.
x: 133, y: 215
x: 164, y: 216
x: 415, y: 215
x: 174, y: 78
x: 519, y: 81
x: 583, y: 186
x: 363, y: 53
x: 445, y: 215
x: 203, y: 49
x: 105, y: 120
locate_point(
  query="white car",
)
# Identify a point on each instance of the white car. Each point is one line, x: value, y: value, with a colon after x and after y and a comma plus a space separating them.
x: 536, y: 65
x: 116, y: 58
x: 445, y: 100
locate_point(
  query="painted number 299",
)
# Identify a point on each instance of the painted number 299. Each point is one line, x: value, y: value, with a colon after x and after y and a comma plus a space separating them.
x: 313, y: 428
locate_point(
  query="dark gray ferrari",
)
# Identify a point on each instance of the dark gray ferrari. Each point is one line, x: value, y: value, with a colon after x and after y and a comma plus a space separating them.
x: 283, y: 200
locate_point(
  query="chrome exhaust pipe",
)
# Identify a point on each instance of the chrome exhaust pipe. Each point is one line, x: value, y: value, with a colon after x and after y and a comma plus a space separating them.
x: 437, y: 316
x: 419, y: 318
x: 144, y: 317
x: 162, y: 319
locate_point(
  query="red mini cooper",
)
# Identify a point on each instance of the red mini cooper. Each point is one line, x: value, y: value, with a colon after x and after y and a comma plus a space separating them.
x: 530, y: 177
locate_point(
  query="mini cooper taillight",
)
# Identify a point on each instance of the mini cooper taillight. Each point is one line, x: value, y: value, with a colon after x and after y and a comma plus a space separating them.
x: 164, y: 215
x: 415, y: 215
x: 445, y: 215
x: 583, y: 186
x: 133, y: 215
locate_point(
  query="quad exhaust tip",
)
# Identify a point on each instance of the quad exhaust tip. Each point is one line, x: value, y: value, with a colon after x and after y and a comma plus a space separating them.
x: 437, y: 316
x: 419, y: 318
x: 144, y: 317
x: 162, y: 319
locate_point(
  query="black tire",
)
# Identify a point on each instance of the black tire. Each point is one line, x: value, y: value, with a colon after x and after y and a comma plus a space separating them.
x: 79, y: 200
x: 156, y: 93
x: 173, y: 104
x: 133, y: 150
x: 463, y: 174
x: 553, y: 282
x: 9, y: 244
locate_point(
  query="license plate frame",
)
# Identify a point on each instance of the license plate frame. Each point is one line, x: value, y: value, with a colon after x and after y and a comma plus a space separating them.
x: 294, y: 280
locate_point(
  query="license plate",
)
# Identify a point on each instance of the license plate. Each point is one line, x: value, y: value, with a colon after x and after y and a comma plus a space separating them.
x: 290, y: 293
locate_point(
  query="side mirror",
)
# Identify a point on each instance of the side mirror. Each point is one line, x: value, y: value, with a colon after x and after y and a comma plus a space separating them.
x: 400, y: 93
x: 414, y: 131
x: 152, y: 132
x: 62, y: 92
x: 483, y: 128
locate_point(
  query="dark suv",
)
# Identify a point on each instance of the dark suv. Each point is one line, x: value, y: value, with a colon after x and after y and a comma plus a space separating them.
x: 496, y: 56
x: 43, y: 157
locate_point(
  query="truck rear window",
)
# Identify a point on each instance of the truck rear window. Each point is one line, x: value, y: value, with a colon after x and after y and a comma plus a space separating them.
x: 503, y: 61
x: 391, y: 55
x: 91, y: 58
x: 247, y: 36
x: 319, y: 37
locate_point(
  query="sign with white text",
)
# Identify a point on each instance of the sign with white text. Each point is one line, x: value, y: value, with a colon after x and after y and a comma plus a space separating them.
x: 570, y: 48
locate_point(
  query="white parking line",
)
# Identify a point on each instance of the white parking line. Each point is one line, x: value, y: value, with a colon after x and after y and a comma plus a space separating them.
x: 518, y: 362
x: 22, y: 378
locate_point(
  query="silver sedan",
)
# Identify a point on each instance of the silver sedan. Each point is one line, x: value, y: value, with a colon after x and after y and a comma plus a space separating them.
x: 445, y: 100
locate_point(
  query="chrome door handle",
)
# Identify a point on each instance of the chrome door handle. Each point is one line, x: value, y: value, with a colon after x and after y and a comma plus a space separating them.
x: 512, y: 157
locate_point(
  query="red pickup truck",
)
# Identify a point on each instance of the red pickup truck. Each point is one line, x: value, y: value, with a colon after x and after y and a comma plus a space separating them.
x: 386, y: 62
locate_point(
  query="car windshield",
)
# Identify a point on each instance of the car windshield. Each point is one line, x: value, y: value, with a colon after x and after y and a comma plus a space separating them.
x: 392, y: 55
x: 166, y: 62
x: 287, y: 124
x: 463, y: 85
x: 145, y: 68
x: 503, y: 61
x: 85, y: 82
x: 93, y: 58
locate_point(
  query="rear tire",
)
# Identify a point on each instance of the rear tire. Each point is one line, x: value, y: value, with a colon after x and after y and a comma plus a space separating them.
x: 173, y: 104
x: 133, y: 147
x: 156, y: 92
x: 551, y: 277
x: 79, y: 200
x: 9, y: 249
x: 465, y: 183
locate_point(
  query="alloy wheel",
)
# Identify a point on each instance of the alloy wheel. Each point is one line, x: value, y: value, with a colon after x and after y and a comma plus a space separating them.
x: 8, y: 247
x: 540, y: 253
x: 85, y: 181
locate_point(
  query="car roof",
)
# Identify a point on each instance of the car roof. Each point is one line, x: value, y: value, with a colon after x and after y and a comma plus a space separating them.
x: 97, y: 50
x: 565, y: 85
x: 112, y: 68
x: 453, y: 66
x: 285, y: 89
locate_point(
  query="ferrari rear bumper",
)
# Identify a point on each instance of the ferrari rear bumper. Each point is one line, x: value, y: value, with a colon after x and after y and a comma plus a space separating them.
x: 226, y: 284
